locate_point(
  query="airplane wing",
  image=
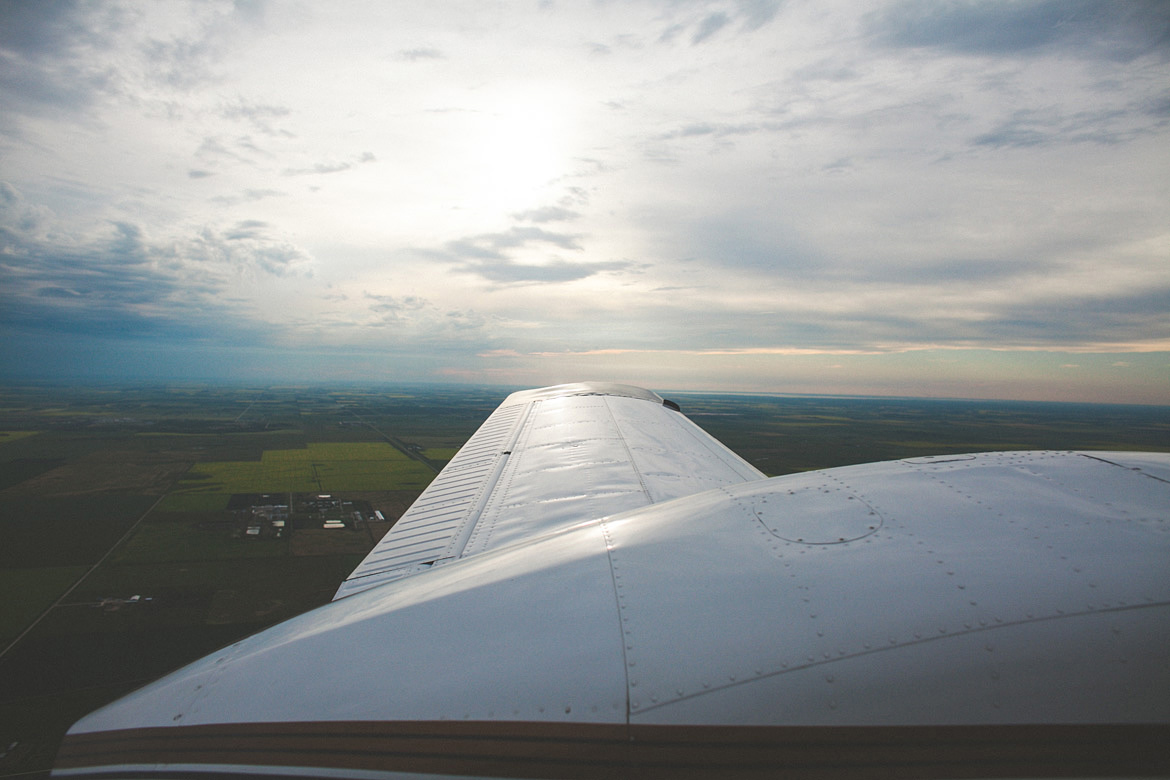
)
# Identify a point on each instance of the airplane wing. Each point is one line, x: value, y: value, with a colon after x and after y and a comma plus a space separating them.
x: 548, y: 459
x: 988, y: 615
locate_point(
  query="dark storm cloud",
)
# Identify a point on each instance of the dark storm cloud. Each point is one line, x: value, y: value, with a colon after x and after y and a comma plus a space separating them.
x: 120, y: 282
x: 106, y: 287
x: 1087, y: 28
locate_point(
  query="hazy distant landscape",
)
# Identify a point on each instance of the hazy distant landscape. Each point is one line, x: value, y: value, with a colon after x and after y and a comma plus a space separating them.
x: 142, y: 527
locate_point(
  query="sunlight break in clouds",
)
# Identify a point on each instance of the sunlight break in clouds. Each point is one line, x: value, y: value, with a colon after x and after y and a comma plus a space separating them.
x: 919, y: 198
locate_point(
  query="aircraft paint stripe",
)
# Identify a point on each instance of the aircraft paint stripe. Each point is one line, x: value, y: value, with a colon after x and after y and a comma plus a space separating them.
x: 569, y: 750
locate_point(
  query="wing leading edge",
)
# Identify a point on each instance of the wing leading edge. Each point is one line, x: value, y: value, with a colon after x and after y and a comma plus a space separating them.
x: 547, y: 459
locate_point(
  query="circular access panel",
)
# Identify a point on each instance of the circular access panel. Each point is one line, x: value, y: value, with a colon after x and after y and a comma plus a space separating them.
x: 821, y: 514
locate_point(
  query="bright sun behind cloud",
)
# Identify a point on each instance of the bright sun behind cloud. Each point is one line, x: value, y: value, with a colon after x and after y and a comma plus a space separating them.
x: 513, y: 146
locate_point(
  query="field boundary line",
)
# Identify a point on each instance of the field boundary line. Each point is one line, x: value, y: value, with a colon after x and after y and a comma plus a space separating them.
x: 83, y: 577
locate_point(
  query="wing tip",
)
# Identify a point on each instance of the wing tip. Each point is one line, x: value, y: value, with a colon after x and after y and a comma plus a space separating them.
x: 583, y: 388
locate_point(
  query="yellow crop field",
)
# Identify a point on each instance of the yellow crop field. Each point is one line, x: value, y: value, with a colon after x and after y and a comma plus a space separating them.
x: 322, y: 466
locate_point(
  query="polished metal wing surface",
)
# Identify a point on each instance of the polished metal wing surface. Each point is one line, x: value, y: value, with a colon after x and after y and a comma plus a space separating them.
x: 546, y: 459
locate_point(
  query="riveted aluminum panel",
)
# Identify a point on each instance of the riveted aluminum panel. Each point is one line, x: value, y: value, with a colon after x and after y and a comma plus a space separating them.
x: 436, y: 524
x: 547, y: 459
x: 1000, y: 588
x: 527, y: 633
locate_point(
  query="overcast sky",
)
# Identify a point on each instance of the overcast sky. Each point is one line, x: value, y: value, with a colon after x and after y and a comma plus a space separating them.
x: 906, y: 198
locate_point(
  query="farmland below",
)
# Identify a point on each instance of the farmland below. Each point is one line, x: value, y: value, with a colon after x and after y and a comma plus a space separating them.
x: 143, y: 527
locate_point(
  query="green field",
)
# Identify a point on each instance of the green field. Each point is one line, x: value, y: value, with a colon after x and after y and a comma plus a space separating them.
x: 320, y: 466
x: 51, y: 531
x: 28, y: 592
x: 158, y: 540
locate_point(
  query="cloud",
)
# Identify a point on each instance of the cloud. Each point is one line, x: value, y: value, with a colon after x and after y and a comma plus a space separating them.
x: 509, y: 272
x: 1036, y: 127
x: 47, y: 67
x: 547, y: 214
x: 757, y: 13
x: 246, y: 249
x: 710, y: 25
x: 390, y: 308
x: 247, y: 229
x: 260, y: 115
x: 422, y: 53
x: 751, y: 15
x: 495, y: 246
x: 493, y: 256
x: 946, y: 173
x: 247, y: 196
x: 117, y: 281
x: 331, y: 167
x: 1083, y: 28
